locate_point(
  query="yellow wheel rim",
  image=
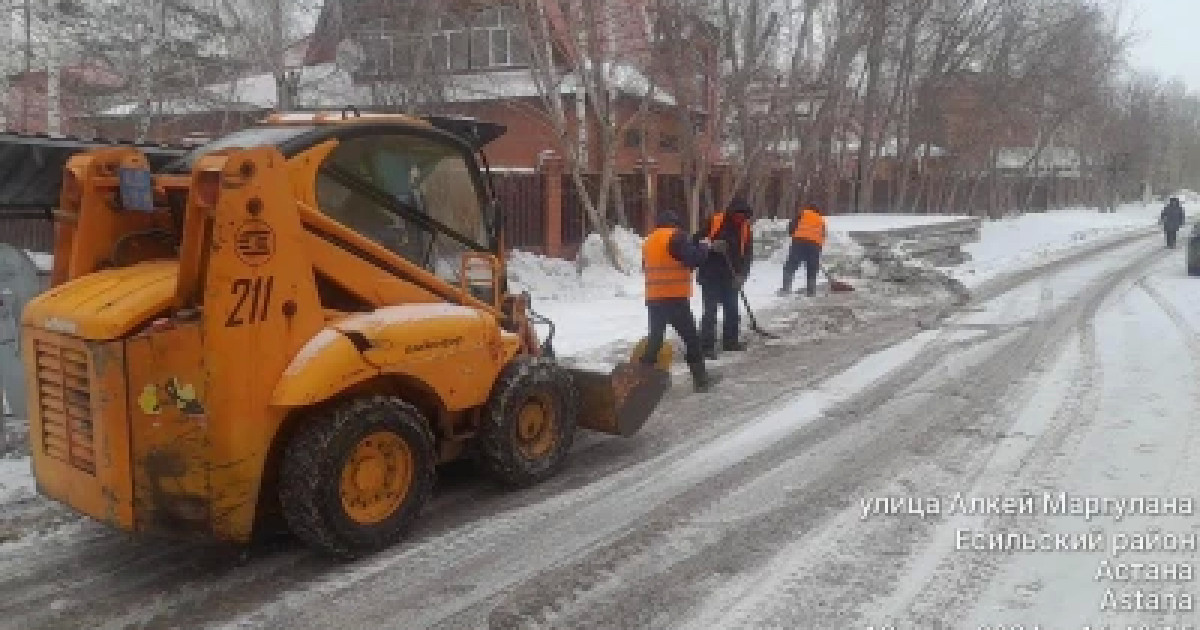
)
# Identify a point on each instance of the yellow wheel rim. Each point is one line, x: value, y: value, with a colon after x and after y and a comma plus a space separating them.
x: 537, y: 427
x: 376, y: 478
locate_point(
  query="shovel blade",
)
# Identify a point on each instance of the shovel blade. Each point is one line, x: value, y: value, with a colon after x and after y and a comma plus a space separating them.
x: 837, y: 286
x: 620, y: 402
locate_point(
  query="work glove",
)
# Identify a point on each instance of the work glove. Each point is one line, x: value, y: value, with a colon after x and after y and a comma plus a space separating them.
x: 719, y: 246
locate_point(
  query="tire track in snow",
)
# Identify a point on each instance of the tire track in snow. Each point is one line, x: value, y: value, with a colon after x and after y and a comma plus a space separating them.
x: 193, y: 585
x: 1193, y: 342
x: 897, y: 538
x: 563, y: 597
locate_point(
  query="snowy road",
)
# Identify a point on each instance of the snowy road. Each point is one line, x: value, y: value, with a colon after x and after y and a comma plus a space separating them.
x: 745, y: 508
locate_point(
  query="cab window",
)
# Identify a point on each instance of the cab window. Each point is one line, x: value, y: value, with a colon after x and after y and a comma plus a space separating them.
x: 410, y: 194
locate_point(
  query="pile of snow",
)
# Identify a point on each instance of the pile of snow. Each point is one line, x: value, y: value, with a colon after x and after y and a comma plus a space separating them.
x: 589, y: 277
x: 771, y: 234
x: 1023, y: 241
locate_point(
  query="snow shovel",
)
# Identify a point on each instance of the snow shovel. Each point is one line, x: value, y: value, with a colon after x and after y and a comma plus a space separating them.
x: 836, y: 286
x: 745, y: 302
x: 620, y: 402
x: 753, y: 321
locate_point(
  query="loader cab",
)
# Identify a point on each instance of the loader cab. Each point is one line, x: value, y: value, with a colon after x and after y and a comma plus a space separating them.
x: 414, y: 188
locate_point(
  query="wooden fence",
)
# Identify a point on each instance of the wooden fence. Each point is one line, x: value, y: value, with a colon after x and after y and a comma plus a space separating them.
x: 543, y: 212
x: 27, y: 230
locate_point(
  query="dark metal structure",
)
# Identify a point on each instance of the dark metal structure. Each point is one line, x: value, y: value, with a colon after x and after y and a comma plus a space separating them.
x: 31, y: 168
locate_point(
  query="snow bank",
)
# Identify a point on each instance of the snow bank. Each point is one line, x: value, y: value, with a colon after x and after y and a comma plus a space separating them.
x: 590, y: 277
x: 838, y: 244
x: 1027, y: 240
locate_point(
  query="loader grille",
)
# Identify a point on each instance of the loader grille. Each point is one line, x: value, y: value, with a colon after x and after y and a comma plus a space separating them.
x: 65, y: 403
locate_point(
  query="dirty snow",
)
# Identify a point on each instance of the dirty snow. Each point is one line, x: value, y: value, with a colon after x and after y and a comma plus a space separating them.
x: 592, y: 305
x: 16, y: 479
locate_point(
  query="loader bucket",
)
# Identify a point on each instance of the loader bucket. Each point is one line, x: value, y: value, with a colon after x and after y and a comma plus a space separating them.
x: 619, y: 402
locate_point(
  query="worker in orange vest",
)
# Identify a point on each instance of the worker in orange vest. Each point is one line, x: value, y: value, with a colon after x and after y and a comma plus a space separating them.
x: 723, y: 273
x: 808, y: 237
x: 668, y: 257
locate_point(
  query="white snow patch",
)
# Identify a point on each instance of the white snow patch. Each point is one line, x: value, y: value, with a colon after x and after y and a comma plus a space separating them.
x: 1025, y: 241
x: 408, y: 313
x: 318, y: 343
x: 43, y: 261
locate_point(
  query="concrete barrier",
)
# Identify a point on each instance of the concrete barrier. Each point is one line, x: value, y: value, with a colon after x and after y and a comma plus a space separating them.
x: 937, y: 243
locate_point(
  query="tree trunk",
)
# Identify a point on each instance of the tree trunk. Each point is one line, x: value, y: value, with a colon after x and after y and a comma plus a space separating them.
x: 867, y: 132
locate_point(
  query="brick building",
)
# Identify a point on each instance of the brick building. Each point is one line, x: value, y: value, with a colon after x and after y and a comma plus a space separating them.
x: 477, y: 63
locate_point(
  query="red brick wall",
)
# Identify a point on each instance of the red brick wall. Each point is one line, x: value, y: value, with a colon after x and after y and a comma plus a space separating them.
x: 530, y: 133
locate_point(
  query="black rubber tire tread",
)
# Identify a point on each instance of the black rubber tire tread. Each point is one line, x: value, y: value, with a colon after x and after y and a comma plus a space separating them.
x: 311, y: 474
x: 497, y: 449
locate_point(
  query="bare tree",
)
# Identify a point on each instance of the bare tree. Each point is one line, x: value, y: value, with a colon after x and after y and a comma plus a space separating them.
x: 591, y: 93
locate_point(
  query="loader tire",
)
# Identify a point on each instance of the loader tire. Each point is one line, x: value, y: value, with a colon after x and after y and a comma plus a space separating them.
x: 529, y: 423
x: 356, y: 475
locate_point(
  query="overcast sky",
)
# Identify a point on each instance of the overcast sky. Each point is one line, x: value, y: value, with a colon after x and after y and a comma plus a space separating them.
x: 1168, y: 38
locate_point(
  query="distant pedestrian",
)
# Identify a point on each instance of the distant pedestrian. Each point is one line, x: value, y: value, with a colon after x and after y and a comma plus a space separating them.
x: 668, y: 257
x: 808, y: 237
x: 1171, y: 220
x: 723, y: 273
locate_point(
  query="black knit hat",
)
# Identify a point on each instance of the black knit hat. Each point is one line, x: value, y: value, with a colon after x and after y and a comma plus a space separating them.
x: 739, y: 205
x: 668, y: 218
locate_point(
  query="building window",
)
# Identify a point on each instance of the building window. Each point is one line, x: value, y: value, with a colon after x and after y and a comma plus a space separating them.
x: 491, y: 39
x: 487, y: 39
x: 451, y: 45
x: 669, y: 143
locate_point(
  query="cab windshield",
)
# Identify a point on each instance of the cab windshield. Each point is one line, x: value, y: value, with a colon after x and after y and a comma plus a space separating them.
x: 244, y: 139
x: 415, y: 195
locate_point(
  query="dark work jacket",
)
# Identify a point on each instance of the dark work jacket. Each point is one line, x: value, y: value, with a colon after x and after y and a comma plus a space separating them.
x: 715, y: 269
x: 1172, y: 217
x: 683, y: 249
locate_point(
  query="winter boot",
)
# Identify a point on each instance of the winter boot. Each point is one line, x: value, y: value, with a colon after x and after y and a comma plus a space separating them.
x: 733, y: 346
x: 702, y: 381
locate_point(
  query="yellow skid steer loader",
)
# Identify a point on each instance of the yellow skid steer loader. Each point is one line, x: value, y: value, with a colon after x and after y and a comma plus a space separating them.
x: 301, y: 319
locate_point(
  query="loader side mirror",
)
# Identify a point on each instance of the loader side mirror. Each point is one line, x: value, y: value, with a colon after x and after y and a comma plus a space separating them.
x: 480, y: 277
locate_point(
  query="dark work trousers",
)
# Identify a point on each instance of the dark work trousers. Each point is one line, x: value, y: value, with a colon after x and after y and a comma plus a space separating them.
x: 1171, y: 234
x: 678, y: 313
x: 721, y: 294
x: 805, y: 253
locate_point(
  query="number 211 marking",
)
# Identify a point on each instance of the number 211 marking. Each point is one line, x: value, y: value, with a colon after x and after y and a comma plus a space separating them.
x: 252, y: 293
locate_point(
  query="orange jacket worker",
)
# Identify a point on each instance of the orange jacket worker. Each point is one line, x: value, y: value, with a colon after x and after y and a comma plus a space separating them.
x: 808, y: 237
x: 668, y: 257
x: 723, y: 273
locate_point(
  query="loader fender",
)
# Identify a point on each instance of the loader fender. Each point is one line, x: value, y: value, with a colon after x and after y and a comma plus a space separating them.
x: 327, y: 365
x: 456, y: 351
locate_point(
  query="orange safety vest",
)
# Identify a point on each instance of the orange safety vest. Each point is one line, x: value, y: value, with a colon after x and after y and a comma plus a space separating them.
x: 715, y: 228
x: 810, y: 227
x: 666, y: 277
